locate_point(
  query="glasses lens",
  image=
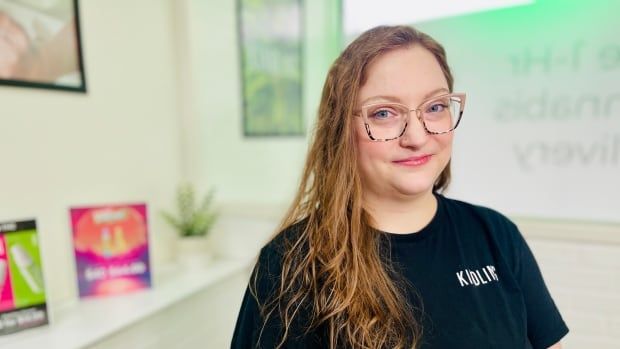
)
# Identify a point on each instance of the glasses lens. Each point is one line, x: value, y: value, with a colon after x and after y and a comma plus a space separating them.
x: 442, y: 114
x: 386, y: 121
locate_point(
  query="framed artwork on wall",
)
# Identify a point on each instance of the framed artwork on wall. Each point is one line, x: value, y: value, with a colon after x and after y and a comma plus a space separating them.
x: 271, y: 57
x: 40, y: 45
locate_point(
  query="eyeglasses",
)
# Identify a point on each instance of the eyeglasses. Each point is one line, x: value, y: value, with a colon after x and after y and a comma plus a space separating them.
x: 388, y: 121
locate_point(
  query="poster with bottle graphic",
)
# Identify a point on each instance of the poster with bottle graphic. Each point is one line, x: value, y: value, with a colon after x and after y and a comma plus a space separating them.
x: 111, y: 249
x: 22, y: 290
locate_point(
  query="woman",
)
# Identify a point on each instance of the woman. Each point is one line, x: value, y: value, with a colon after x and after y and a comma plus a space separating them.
x: 370, y: 254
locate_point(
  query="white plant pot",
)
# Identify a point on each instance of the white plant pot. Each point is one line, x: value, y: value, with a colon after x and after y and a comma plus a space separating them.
x: 193, y: 252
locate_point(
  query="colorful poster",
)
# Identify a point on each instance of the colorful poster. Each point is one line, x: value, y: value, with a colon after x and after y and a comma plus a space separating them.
x: 111, y: 249
x: 22, y: 290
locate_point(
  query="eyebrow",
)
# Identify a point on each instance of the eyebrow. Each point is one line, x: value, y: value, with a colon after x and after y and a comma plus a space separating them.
x: 396, y: 99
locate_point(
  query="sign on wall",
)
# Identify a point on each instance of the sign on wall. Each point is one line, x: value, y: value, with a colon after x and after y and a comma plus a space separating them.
x: 22, y: 289
x: 270, y: 35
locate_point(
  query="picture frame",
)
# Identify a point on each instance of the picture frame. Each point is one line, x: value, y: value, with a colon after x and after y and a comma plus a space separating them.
x: 270, y: 36
x: 40, y: 45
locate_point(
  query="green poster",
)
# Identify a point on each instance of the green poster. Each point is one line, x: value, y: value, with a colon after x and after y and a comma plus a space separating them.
x: 270, y: 34
x: 25, y: 268
x: 22, y: 291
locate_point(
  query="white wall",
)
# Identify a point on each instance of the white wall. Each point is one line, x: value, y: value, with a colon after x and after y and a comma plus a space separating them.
x: 584, y: 279
x: 117, y: 143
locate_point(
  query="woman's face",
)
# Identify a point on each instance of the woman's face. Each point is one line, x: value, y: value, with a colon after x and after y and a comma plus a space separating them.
x: 408, y: 166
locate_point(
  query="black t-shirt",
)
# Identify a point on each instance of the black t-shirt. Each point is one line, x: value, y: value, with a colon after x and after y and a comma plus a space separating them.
x: 476, y: 279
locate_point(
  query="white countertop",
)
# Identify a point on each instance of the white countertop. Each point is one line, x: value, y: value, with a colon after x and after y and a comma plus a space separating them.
x: 81, y: 324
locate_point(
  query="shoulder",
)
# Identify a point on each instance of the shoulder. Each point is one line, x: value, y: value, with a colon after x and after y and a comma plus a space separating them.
x: 259, y: 324
x: 283, y: 241
x: 465, y: 212
x: 268, y: 269
x: 486, y: 226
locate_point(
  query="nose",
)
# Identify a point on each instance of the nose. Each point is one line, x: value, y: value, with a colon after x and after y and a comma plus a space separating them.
x: 415, y: 134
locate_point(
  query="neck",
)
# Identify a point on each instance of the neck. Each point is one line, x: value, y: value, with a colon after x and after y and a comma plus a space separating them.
x: 401, y: 215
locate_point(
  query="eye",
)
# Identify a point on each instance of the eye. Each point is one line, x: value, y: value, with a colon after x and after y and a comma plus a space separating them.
x: 436, y: 107
x: 383, y: 113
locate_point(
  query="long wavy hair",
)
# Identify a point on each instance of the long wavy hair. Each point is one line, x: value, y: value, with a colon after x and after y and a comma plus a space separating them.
x: 335, y: 269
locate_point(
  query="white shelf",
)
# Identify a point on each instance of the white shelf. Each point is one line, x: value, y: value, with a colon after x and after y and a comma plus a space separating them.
x: 85, y: 322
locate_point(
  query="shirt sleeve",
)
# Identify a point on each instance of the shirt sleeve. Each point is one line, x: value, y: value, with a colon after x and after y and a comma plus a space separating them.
x: 247, y: 323
x: 545, y: 325
x: 251, y: 330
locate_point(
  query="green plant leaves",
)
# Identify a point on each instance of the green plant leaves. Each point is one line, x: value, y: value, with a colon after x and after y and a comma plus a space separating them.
x: 192, y: 219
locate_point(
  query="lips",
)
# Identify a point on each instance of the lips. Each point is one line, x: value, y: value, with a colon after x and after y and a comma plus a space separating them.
x: 413, y: 160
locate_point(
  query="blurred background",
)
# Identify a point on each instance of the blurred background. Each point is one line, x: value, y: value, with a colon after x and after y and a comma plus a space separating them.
x: 169, y: 98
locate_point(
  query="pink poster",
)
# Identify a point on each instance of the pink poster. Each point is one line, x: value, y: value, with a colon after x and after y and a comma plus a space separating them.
x: 111, y: 249
x: 6, y: 293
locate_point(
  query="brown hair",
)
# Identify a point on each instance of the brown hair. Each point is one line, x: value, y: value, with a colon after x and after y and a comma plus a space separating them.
x: 334, y: 267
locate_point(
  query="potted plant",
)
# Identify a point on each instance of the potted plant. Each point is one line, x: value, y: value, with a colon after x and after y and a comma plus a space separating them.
x: 193, y: 221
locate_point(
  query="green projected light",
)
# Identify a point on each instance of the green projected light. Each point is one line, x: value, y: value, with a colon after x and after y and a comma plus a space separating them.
x: 364, y: 14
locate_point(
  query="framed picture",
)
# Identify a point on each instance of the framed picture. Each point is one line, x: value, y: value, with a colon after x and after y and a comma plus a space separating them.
x: 40, y: 44
x: 271, y: 40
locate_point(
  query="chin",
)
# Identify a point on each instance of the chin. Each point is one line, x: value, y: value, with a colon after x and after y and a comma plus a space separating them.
x: 414, y: 189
